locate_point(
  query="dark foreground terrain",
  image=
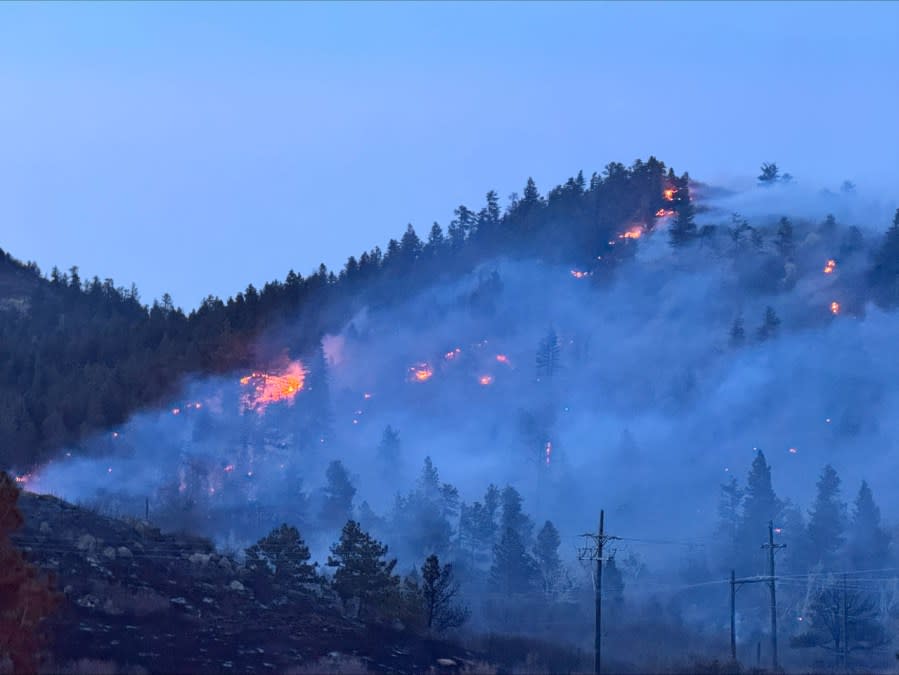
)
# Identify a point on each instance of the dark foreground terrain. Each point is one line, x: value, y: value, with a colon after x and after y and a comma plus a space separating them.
x: 138, y: 600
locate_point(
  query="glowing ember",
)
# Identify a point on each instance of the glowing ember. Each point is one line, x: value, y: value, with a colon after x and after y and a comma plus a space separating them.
x: 485, y: 380
x: 668, y: 194
x: 176, y: 411
x: 366, y: 396
x: 449, y: 356
x: 421, y: 372
x: 267, y: 388
x: 830, y: 266
x: 24, y: 478
x: 548, y: 451
x: 578, y: 274
x: 664, y: 213
x: 502, y: 358
x: 793, y: 451
x: 229, y: 468
x: 834, y: 307
x: 633, y: 233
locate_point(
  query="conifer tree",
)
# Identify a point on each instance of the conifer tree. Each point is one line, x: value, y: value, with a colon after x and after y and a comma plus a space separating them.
x: 760, y: 506
x: 546, y: 555
x: 869, y: 542
x: 362, y: 572
x: 514, y: 570
x: 439, y: 590
x: 548, y: 355
x: 338, y: 494
x: 683, y: 229
x: 280, y: 561
x: 827, y: 518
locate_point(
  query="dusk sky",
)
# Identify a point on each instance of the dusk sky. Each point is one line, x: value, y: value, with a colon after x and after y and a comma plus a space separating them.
x: 196, y: 148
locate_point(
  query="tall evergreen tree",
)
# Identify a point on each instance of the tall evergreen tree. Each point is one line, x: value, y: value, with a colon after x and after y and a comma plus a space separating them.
x: 362, y: 572
x: 280, y: 562
x: 389, y: 449
x: 783, y: 241
x: 548, y: 355
x: 737, y: 332
x: 514, y: 571
x: 338, y: 495
x: 827, y: 518
x: 439, y: 590
x: 546, y: 555
x: 769, y: 326
x: 760, y: 506
x: 683, y: 229
x: 729, y: 503
x: 884, y: 273
x: 869, y: 542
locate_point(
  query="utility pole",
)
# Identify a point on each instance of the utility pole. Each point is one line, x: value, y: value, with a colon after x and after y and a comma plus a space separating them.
x: 772, y: 548
x: 733, y: 616
x: 845, y: 630
x: 594, y: 553
x: 735, y: 585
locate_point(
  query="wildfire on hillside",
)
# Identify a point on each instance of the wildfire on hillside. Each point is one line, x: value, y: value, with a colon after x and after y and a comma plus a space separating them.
x: 267, y: 388
x: 420, y: 372
x: 634, y: 232
x: 830, y: 266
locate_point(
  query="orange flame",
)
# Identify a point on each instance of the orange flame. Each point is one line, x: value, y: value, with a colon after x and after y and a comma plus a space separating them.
x: 270, y: 388
x: 421, y: 372
x: 485, y: 380
x: 668, y: 194
x: 578, y: 274
x: 449, y: 356
x: 633, y: 233
x: 502, y: 358
x: 834, y: 308
x: 830, y: 266
x: 664, y: 213
x: 23, y: 479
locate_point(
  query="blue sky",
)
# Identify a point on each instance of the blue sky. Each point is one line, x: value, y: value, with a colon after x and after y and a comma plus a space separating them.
x: 195, y: 148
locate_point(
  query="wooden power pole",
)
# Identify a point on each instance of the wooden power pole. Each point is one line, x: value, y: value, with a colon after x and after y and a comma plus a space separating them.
x: 772, y: 548
x: 594, y: 553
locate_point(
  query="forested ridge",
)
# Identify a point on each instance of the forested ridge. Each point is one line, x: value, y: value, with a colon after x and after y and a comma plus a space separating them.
x: 77, y: 355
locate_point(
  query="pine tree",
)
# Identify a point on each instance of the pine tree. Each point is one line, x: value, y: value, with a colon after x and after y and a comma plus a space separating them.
x: 546, y: 555
x: 770, y: 174
x: 280, y: 561
x: 548, y: 355
x: 729, y: 502
x: 27, y: 597
x: 737, y: 332
x: 869, y: 542
x: 769, y: 326
x: 784, y: 239
x: 827, y: 518
x: 512, y: 516
x: 884, y: 273
x: 683, y: 229
x: 439, y: 590
x: 338, y: 494
x: 362, y: 572
x: 426, y: 514
x: 514, y: 570
x: 389, y: 449
x: 760, y: 506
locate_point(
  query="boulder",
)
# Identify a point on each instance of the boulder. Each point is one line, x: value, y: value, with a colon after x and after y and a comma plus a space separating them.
x: 86, y: 542
x: 237, y: 586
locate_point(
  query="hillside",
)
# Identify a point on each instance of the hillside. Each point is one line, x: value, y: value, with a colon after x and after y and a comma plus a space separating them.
x: 82, y: 355
x: 137, y: 600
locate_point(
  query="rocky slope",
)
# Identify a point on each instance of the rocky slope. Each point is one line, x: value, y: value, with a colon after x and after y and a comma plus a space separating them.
x: 170, y: 603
